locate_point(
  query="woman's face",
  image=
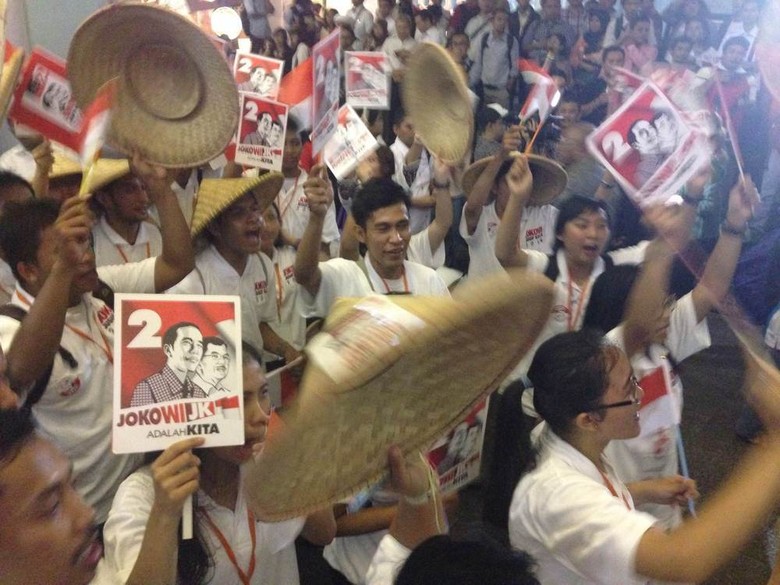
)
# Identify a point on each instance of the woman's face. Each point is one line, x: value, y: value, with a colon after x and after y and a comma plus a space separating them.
x: 621, y: 422
x: 585, y: 237
x: 594, y: 24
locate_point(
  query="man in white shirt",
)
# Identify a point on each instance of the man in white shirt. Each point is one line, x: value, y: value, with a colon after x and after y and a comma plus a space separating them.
x: 398, y: 48
x: 381, y: 212
x: 412, y: 171
x: 426, y: 30
x: 213, y: 366
x: 360, y: 19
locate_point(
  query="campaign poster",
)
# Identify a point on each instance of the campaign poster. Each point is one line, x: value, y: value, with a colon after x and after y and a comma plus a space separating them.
x: 257, y: 74
x: 43, y: 100
x: 325, y: 95
x: 261, y: 130
x: 648, y: 146
x: 177, y: 371
x: 351, y: 142
x: 457, y: 457
x: 367, y: 80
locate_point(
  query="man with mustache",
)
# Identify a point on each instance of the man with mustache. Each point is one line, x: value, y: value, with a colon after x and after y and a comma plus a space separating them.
x: 213, y: 366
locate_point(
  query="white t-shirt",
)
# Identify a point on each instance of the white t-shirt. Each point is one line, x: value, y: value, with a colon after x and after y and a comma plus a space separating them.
x: 256, y: 287
x: 274, y: 551
x: 419, y: 218
x: 7, y: 282
x: 653, y: 453
x: 294, y: 212
x: 564, y: 514
x: 345, y: 278
x: 290, y: 324
x: 111, y: 248
x: 419, y: 251
x: 537, y: 232
x: 387, y: 561
x: 75, y: 409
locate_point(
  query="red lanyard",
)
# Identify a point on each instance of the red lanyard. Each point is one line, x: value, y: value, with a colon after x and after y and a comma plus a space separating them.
x: 571, y: 316
x: 290, y: 199
x: 387, y: 286
x: 611, y: 489
x: 246, y: 578
x: 105, y: 347
x: 125, y: 258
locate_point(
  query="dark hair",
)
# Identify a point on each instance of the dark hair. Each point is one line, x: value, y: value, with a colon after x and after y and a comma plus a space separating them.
x: 570, y: 96
x: 9, y: 179
x: 293, y: 125
x: 249, y: 353
x: 741, y: 41
x: 611, y: 49
x: 21, y: 225
x: 426, y: 15
x: 279, y: 240
x: 609, y: 296
x: 376, y: 194
x: 637, y: 19
x: 169, y: 337
x: 570, y: 373
x: 601, y: 14
x: 213, y: 340
x: 398, y: 116
x: 445, y: 561
x: 16, y: 430
x: 572, y: 208
x: 486, y: 116
x: 386, y: 161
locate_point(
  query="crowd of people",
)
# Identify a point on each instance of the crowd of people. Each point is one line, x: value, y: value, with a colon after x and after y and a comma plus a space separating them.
x: 585, y: 483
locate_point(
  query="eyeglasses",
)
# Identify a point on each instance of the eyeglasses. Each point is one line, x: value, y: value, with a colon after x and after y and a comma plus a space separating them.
x: 217, y: 356
x: 636, y: 396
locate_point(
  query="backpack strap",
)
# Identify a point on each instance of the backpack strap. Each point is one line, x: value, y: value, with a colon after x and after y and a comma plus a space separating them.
x: 39, y: 387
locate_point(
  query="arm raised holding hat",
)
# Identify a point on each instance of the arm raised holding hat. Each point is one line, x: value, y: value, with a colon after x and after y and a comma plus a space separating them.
x: 520, y: 183
x: 483, y: 187
x: 319, y: 192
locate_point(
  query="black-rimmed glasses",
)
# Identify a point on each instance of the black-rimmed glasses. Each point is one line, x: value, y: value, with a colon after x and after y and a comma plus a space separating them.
x: 636, y: 396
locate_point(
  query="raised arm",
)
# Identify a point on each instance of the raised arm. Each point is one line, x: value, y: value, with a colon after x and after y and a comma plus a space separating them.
x: 177, y: 259
x: 39, y: 334
x: 520, y: 183
x: 722, y: 263
x: 480, y: 192
x: 441, y: 185
x: 320, y: 195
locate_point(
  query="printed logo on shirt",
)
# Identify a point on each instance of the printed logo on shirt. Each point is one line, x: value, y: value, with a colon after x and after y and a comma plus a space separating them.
x: 68, y: 387
x: 492, y: 226
x: 303, y: 202
x: 105, y: 317
x: 261, y: 288
x: 559, y: 313
x: 534, y: 235
x: 289, y: 273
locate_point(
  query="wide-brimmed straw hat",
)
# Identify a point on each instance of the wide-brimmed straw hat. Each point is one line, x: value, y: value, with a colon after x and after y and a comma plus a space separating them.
x: 436, y: 98
x: 177, y: 102
x: 398, y: 370
x: 215, y: 195
x: 549, y: 177
x: 105, y: 171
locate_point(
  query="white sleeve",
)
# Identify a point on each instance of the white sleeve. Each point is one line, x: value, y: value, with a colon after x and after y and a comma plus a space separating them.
x: 687, y: 336
x: 463, y: 227
x: 340, y: 278
x: 124, y: 530
x: 330, y: 231
x: 192, y: 284
x: 278, y: 535
x: 419, y: 251
x: 538, y: 261
x: 631, y: 254
x: 137, y: 277
x: 387, y: 561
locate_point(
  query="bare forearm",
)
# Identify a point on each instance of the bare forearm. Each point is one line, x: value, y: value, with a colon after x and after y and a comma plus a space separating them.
x: 365, y: 521
x: 349, y: 246
x: 320, y: 527
x: 507, y: 251
x: 158, y: 557
x: 718, y: 272
x: 272, y: 341
x: 177, y: 259
x: 415, y: 524
x: 442, y: 222
x: 307, y: 272
x: 424, y: 202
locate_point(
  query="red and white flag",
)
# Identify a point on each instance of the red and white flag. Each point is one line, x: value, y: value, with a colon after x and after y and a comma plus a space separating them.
x: 544, y: 94
x: 95, y: 123
x: 296, y: 90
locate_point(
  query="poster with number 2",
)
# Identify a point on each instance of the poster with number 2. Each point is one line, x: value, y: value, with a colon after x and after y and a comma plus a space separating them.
x: 261, y: 132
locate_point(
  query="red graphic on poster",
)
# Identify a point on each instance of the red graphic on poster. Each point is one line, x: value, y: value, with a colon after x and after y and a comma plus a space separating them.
x: 261, y: 132
x: 648, y: 146
x: 367, y: 80
x: 257, y: 74
x: 325, y: 97
x: 43, y: 100
x: 351, y: 143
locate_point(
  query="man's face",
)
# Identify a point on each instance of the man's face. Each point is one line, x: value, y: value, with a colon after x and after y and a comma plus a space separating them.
x: 459, y: 46
x: 264, y: 123
x: 680, y: 52
x: 645, y: 137
x: 185, y: 352
x: 267, y: 83
x: 86, y: 278
x: 571, y: 146
x: 569, y: 113
x: 403, y: 29
x: 48, y: 532
x: 274, y: 134
x: 385, y: 8
x: 238, y: 230
x: 127, y: 200
x: 214, y: 364
x: 733, y: 57
x: 500, y: 20
x: 631, y: 7
x: 256, y: 78
x: 611, y: 60
x: 386, y: 236
x: 551, y: 9
x: 405, y: 131
x: 292, y: 151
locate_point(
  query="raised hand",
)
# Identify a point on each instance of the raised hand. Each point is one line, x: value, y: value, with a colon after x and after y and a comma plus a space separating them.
x: 176, y: 476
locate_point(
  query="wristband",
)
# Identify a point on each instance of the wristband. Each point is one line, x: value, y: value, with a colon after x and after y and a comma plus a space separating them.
x: 437, y: 185
x: 420, y: 500
x: 727, y: 228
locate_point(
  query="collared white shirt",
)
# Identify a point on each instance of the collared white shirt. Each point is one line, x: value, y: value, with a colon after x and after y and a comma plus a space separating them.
x: 392, y: 45
x: 362, y: 21
x: 294, y: 211
x: 111, y: 248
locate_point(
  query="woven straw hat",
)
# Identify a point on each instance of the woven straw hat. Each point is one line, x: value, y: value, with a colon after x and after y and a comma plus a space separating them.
x: 436, y: 98
x: 549, y: 177
x: 177, y: 102
x: 105, y: 171
x: 215, y: 195
x: 369, y: 384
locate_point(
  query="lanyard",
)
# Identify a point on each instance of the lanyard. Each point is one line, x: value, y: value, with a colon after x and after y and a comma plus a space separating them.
x: 125, y: 258
x: 290, y: 198
x: 387, y: 286
x: 574, y: 318
x: 105, y: 347
x: 279, y: 285
x: 611, y: 489
x: 246, y: 578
